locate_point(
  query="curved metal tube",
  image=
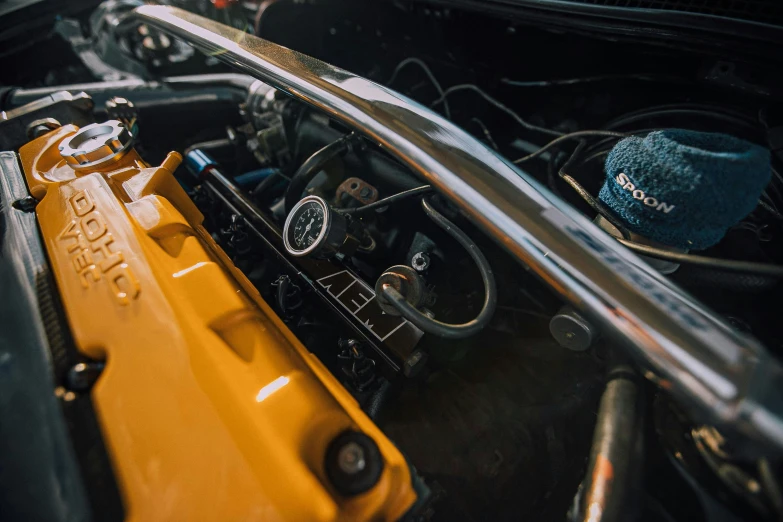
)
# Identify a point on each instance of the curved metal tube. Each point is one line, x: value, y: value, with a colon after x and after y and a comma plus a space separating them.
x: 693, y: 353
x: 614, y: 471
x: 241, y: 82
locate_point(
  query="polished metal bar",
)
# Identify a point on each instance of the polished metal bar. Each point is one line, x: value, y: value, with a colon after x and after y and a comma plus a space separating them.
x: 240, y: 82
x: 722, y: 375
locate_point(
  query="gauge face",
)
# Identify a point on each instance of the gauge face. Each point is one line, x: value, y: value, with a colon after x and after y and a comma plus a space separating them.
x: 304, y: 229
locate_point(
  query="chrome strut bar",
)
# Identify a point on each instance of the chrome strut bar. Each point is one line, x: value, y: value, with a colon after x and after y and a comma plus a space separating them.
x: 724, y: 377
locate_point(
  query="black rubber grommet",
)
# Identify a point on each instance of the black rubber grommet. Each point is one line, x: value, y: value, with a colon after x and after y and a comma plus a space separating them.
x: 353, y: 463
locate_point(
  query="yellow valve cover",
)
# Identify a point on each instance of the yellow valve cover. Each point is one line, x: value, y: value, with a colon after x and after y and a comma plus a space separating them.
x: 210, y: 408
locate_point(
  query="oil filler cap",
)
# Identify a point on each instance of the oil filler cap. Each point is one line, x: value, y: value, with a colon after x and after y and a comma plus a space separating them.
x: 97, y: 144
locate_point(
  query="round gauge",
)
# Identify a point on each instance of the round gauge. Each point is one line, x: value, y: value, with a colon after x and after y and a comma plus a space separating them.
x: 313, y: 228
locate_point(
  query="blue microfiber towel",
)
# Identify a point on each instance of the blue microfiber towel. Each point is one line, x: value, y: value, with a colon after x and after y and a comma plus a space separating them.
x: 684, y: 188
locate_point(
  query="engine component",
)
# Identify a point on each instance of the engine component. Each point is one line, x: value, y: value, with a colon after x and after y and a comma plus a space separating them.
x: 358, y: 368
x: 313, y: 166
x: 381, y: 203
x: 357, y: 189
x: 40, y: 127
x: 408, y: 310
x: 658, y: 321
x: 393, y: 338
x: 192, y: 349
x: 571, y: 330
x: 353, y: 463
x: 82, y: 376
x: 421, y: 261
x: 97, y: 145
x: 61, y: 107
x: 614, y: 471
x: 312, y: 228
x: 661, y: 265
x: 120, y: 108
x: 684, y: 188
x: 41, y: 453
x: 406, y: 281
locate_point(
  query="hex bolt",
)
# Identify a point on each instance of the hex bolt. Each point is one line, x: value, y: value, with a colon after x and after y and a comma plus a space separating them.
x: 421, y: 261
x: 350, y: 458
x: 353, y: 463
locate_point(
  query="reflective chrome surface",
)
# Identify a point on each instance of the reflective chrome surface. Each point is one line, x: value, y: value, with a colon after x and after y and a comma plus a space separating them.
x: 727, y: 377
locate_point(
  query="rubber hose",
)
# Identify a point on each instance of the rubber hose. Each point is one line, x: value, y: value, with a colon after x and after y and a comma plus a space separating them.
x: 691, y: 276
x: 432, y: 326
x: 377, y: 400
x: 265, y: 184
x: 312, y: 166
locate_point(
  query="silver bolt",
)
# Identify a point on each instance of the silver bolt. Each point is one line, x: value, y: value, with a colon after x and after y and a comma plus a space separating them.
x: 350, y: 458
x: 420, y: 261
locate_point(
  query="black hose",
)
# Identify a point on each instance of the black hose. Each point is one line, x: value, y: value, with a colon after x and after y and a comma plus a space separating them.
x: 765, y: 269
x: 432, y: 326
x: 613, y: 471
x: 265, y: 184
x: 313, y: 166
x: 387, y: 201
x: 375, y: 403
x: 694, y: 276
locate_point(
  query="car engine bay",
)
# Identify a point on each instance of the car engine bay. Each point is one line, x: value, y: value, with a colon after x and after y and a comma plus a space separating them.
x: 340, y: 260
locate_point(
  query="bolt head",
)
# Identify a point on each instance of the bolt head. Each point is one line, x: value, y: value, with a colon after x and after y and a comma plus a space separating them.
x: 350, y: 458
x: 353, y: 463
x: 421, y: 261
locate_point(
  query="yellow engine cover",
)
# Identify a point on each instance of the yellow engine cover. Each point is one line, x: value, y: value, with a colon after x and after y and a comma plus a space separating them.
x: 210, y: 408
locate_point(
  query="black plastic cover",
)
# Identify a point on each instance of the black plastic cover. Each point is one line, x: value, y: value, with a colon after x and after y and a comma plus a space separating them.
x: 39, y: 475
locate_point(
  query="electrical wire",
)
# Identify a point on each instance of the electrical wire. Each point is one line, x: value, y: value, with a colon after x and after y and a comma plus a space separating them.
x: 470, y: 87
x: 428, y: 72
x: 433, y: 326
x: 486, y: 132
x: 592, y: 79
x: 687, y: 109
x: 387, y: 201
x: 570, y: 136
x: 769, y: 208
x: 704, y: 108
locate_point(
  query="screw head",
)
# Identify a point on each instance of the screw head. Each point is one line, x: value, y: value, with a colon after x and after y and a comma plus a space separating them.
x: 420, y: 261
x: 350, y: 458
x: 353, y: 463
